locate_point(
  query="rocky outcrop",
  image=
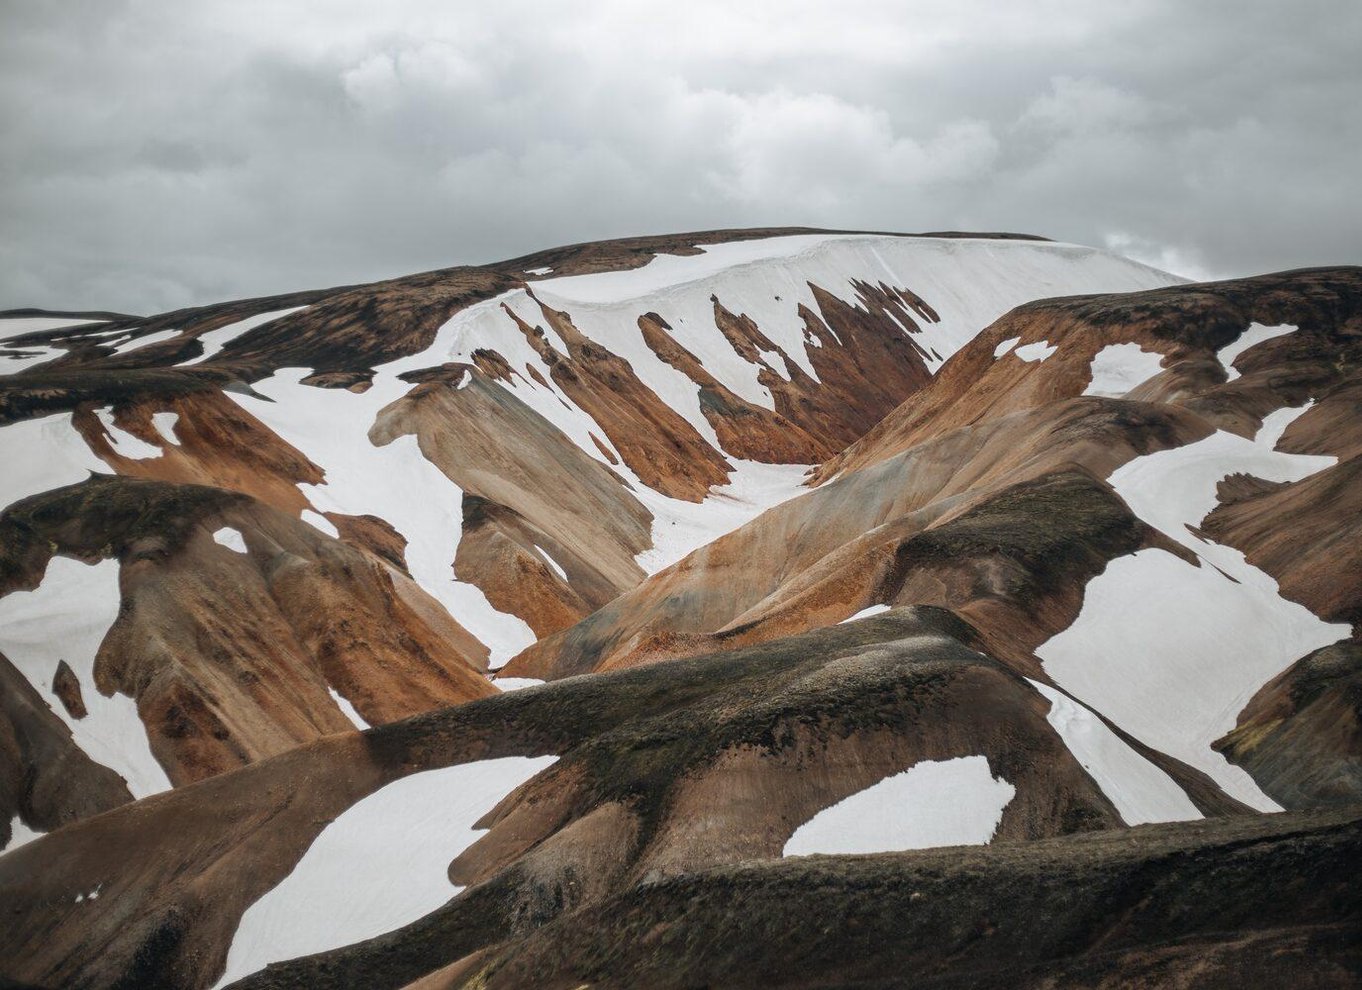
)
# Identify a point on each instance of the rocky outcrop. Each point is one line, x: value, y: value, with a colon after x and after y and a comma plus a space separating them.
x: 1301, y: 735
x: 46, y: 780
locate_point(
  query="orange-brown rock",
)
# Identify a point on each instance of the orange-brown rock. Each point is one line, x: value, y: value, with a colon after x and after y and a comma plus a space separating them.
x: 656, y: 442
x: 66, y: 686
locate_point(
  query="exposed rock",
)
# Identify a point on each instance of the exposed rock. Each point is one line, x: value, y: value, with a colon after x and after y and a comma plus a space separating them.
x: 66, y: 686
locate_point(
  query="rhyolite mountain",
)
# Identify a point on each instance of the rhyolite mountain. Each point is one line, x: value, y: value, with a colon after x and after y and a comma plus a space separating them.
x: 763, y: 608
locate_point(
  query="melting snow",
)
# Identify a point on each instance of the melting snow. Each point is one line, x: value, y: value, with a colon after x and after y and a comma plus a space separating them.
x: 1140, y: 791
x: 318, y: 521
x: 148, y: 340
x: 214, y: 340
x: 1119, y: 368
x: 516, y: 683
x: 66, y: 618
x: 20, y: 834
x: 539, y: 271
x: 380, y: 865
x: 1255, y: 334
x: 1172, y: 652
x: 123, y: 442
x: 348, y: 710
x: 1038, y: 351
x: 866, y: 613
x: 551, y: 562
x: 42, y: 454
x: 933, y: 803
x: 164, y: 422
x: 1006, y: 346
x: 231, y: 539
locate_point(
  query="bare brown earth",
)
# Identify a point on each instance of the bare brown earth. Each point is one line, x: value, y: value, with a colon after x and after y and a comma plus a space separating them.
x: 1115, y: 909
x: 813, y: 718
x: 724, y: 706
x: 1301, y: 735
x: 230, y: 656
x: 901, y: 532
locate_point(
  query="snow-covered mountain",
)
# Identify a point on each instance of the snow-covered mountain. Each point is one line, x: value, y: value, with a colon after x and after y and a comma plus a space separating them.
x: 863, y: 543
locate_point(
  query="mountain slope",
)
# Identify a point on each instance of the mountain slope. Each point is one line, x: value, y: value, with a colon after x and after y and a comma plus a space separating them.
x: 826, y: 544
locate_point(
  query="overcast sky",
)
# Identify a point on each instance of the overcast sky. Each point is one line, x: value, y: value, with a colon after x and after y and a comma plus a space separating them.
x: 159, y: 153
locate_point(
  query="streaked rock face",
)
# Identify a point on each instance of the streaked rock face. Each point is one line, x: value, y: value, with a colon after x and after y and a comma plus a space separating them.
x: 923, y: 539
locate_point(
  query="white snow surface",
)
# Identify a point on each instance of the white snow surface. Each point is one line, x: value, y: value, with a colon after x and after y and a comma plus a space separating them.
x: 164, y: 422
x: 15, y: 358
x: 1169, y: 651
x: 1255, y: 334
x: 348, y: 710
x: 1119, y: 368
x: 539, y: 271
x: 1140, y: 791
x: 933, y: 803
x: 66, y: 618
x: 231, y: 538
x: 41, y: 454
x: 318, y: 521
x: 123, y: 442
x: 551, y: 562
x: 214, y: 340
x: 1006, y: 346
x: 19, y: 834
x: 866, y: 613
x: 516, y: 683
x: 380, y: 865
x: 151, y: 338
x: 1038, y: 351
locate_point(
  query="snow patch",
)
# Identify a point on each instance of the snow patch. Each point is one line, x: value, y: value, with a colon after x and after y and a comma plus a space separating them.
x: 66, y: 618
x: 547, y: 270
x: 1140, y: 791
x: 1038, y: 351
x: 516, y: 683
x: 380, y: 865
x: 348, y: 710
x: 933, y: 803
x: 1006, y: 346
x: 1119, y: 368
x: 231, y: 538
x: 165, y: 422
x: 42, y: 454
x: 1172, y: 652
x: 1255, y: 334
x: 123, y: 442
x: 551, y: 562
x: 318, y: 521
x: 19, y: 835
x: 214, y: 340
x: 147, y: 341
x: 866, y: 613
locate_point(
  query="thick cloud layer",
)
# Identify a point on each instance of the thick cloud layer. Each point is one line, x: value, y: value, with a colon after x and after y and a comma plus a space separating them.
x: 160, y: 153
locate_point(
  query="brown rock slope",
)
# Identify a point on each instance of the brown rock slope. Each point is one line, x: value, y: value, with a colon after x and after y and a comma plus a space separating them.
x: 230, y: 655
x: 763, y: 738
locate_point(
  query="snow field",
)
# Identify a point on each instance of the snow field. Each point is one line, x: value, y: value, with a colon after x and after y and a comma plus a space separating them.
x: 1169, y: 651
x: 383, y: 863
x: 933, y: 803
x: 80, y: 600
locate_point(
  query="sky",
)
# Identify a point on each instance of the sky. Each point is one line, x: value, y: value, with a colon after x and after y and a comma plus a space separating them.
x: 161, y: 154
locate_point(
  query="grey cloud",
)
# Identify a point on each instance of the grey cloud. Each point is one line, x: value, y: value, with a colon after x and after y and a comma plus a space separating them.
x: 161, y: 154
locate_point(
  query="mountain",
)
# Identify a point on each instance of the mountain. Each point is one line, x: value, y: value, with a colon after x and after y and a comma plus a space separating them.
x: 627, y: 614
